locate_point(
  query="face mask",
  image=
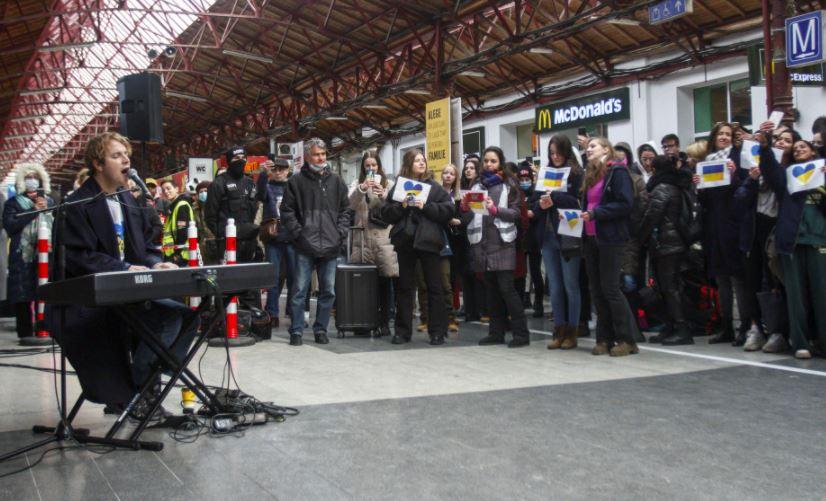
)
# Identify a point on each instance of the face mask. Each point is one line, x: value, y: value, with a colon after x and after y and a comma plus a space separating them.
x: 236, y: 168
x: 32, y: 184
x: 202, y: 196
x: 525, y: 186
x: 317, y: 168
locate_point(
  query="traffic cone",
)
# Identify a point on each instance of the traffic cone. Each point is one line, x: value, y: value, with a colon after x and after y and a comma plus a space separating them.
x: 41, y: 336
x: 232, y: 338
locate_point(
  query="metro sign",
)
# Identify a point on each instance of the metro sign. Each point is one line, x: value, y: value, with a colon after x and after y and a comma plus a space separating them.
x: 804, y: 39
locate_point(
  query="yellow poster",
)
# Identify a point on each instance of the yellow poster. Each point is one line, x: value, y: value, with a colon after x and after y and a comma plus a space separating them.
x: 437, y: 132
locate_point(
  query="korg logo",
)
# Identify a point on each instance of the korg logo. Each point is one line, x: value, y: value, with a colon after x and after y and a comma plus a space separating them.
x: 143, y: 279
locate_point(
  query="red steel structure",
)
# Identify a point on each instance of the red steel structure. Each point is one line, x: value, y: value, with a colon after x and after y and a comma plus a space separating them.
x: 243, y: 71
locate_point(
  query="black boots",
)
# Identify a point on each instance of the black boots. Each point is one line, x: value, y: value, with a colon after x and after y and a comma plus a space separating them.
x: 680, y: 336
x: 726, y: 336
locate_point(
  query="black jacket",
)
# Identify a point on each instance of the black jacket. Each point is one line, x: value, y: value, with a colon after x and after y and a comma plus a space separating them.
x: 429, y: 222
x: 568, y: 199
x: 315, y: 212
x: 269, y: 193
x: 94, y: 339
x: 659, y: 224
x: 228, y: 197
x: 613, y: 214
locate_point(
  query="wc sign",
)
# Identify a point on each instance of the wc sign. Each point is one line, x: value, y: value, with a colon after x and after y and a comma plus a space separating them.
x: 804, y: 39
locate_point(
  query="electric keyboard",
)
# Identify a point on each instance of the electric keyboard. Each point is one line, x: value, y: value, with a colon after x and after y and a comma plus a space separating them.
x: 123, y: 287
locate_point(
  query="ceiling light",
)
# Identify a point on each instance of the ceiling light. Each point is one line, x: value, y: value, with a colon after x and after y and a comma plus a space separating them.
x: 14, y: 150
x: 40, y: 92
x: 336, y: 117
x: 418, y: 92
x: 19, y: 136
x: 183, y: 95
x: 471, y: 73
x: 376, y: 107
x: 66, y: 46
x: 625, y: 21
x: 247, y: 55
x: 540, y: 50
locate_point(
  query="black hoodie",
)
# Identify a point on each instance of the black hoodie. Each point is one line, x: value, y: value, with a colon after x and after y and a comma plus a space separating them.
x: 662, y: 215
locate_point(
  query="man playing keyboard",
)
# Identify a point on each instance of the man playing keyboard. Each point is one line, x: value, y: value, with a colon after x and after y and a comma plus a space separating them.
x: 113, y: 233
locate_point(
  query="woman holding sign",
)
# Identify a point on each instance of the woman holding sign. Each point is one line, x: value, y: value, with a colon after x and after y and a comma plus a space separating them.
x: 717, y: 179
x: 418, y: 208
x: 607, y: 200
x: 492, y: 237
x: 800, y: 239
x: 473, y: 288
x: 562, y: 262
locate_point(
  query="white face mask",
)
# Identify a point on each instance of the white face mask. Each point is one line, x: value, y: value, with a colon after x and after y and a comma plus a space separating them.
x: 32, y: 184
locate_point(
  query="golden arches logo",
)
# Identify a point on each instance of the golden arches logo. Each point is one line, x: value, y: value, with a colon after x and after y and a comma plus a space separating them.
x: 543, y: 121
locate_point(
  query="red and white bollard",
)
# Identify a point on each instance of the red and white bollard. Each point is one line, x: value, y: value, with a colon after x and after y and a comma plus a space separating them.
x: 41, y: 336
x: 194, y: 258
x: 232, y: 338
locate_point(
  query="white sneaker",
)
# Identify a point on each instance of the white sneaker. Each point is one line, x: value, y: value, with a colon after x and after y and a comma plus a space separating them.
x: 776, y: 344
x: 754, y: 339
x: 803, y: 354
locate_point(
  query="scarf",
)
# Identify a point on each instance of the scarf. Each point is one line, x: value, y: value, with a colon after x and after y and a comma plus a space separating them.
x: 719, y: 154
x: 28, y: 237
x: 491, y: 179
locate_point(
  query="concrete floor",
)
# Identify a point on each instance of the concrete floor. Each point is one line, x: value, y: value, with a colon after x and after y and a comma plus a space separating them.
x: 459, y: 422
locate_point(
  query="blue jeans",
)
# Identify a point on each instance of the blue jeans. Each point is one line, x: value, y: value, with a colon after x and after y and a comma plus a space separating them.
x: 563, y: 281
x: 164, y: 319
x: 326, y: 271
x: 275, y: 251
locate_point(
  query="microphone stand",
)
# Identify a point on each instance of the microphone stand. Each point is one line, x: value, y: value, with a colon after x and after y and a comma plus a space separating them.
x: 63, y: 431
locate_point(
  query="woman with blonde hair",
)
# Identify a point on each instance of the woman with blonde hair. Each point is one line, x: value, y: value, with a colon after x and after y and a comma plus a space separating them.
x: 367, y: 195
x: 607, y: 201
x: 418, y: 235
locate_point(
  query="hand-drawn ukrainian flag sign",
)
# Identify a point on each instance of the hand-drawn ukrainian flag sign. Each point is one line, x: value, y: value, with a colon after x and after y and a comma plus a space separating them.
x: 475, y: 201
x: 805, y: 176
x: 713, y: 174
x: 552, y: 179
x: 571, y: 223
x: 407, y: 187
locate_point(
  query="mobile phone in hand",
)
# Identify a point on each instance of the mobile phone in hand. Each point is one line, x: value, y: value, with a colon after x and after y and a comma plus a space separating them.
x: 41, y: 193
x: 582, y: 131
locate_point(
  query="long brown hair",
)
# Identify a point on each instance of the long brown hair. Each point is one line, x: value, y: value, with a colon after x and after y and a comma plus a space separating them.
x: 712, y: 136
x: 596, y: 167
x: 566, y: 150
x: 363, y: 173
x: 407, y: 165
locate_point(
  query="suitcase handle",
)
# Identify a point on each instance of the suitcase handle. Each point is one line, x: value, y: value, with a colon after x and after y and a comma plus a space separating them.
x: 350, y: 242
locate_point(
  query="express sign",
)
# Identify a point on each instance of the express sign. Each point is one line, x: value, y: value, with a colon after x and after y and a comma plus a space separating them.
x: 598, y: 108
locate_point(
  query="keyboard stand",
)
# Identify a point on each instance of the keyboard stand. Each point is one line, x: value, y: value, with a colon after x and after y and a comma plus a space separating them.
x: 166, y: 361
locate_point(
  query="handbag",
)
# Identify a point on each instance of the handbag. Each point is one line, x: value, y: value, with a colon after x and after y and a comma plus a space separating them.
x: 569, y: 246
x: 268, y: 230
x: 374, y: 216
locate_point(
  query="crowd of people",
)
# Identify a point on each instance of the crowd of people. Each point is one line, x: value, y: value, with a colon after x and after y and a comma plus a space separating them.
x: 659, y: 252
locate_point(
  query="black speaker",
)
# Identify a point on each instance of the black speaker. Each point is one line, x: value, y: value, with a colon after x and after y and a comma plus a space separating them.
x: 140, y: 107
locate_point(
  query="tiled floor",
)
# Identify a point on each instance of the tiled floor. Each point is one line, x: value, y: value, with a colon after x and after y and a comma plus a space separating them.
x: 460, y: 422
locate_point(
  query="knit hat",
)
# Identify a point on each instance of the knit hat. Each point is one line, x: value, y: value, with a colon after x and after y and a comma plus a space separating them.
x: 235, y: 150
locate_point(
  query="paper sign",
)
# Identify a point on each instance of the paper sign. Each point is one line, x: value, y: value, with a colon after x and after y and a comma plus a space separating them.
x: 713, y: 174
x: 551, y: 179
x: 476, y: 201
x: 405, y: 187
x: 805, y: 176
x: 571, y: 223
x: 776, y: 117
x: 750, y: 155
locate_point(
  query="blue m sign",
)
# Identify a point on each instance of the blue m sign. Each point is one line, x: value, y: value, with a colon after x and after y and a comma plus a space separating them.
x: 804, y: 39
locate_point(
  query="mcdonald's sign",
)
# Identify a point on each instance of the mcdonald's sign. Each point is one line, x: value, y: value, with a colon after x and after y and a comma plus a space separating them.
x: 597, y: 108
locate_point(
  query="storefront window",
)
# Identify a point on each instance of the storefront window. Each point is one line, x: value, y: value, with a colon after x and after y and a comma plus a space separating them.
x: 524, y: 141
x: 473, y: 141
x: 725, y: 102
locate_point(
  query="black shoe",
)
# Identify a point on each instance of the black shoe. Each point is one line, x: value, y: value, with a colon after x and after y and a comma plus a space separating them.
x: 740, y: 338
x: 657, y: 338
x: 397, y: 339
x: 519, y: 342
x: 489, y: 340
x: 382, y: 331
x: 437, y: 340
x: 321, y: 338
x: 538, y: 311
x: 726, y: 336
x: 295, y: 340
x: 677, y: 339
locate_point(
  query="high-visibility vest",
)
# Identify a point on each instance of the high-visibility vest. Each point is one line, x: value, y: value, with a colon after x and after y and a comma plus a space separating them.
x: 168, y: 246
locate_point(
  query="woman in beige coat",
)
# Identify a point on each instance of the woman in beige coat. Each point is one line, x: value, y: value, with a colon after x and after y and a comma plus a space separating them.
x: 366, y: 197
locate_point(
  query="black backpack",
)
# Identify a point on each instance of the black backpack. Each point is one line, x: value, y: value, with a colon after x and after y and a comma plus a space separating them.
x: 689, y: 225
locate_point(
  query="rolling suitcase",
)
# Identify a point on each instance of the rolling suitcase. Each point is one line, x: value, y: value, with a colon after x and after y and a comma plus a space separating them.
x: 357, y: 294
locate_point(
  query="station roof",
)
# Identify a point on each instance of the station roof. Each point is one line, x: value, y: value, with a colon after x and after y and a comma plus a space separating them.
x: 243, y: 70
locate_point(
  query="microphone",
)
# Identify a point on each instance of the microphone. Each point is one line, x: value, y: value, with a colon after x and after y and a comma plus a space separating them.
x: 133, y: 175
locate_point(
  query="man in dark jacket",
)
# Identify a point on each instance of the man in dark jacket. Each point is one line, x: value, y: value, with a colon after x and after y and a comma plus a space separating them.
x: 270, y: 186
x: 314, y: 211
x: 110, y: 234
x: 233, y: 196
